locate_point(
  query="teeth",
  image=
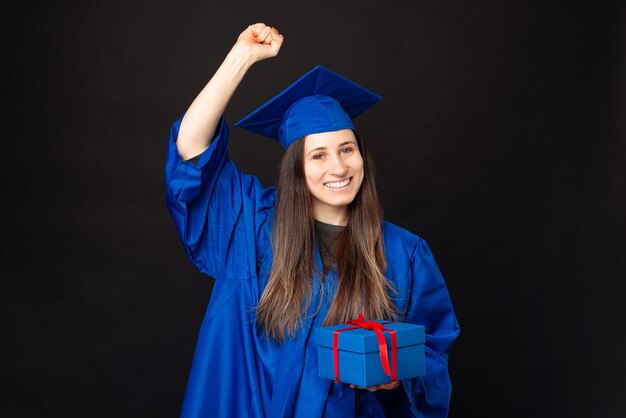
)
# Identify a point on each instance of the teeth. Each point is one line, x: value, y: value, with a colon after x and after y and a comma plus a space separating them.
x: 337, y: 184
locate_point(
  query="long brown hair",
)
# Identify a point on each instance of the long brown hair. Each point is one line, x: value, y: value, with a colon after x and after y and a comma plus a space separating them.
x: 360, y: 254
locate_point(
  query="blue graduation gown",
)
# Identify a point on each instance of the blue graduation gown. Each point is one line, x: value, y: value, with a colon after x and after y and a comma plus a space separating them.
x: 224, y: 219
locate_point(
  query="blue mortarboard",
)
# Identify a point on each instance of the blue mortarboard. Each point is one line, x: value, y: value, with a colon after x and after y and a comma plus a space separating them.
x: 319, y: 101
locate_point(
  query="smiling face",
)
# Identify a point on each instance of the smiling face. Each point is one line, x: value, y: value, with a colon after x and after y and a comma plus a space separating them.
x: 333, y: 169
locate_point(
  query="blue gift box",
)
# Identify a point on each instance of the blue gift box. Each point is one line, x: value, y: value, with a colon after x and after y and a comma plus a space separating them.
x: 359, y: 356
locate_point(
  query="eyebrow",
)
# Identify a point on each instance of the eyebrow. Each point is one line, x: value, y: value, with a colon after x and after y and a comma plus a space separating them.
x: 338, y: 146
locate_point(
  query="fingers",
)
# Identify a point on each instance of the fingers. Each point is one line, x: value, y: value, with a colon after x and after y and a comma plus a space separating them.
x: 371, y: 388
x: 265, y: 34
x: 269, y: 36
x: 276, y: 36
x: 386, y: 386
x: 257, y: 28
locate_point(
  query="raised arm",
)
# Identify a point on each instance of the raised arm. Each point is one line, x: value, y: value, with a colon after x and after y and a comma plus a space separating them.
x: 254, y: 44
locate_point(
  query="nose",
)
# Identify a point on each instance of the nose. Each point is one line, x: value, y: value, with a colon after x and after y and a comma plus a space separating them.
x: 337, y: 167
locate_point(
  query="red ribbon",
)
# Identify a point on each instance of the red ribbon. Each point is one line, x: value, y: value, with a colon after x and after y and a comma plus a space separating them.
x: 378, y: 328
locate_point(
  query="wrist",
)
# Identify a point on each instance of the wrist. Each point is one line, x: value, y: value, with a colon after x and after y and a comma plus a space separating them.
x: 242, y: 56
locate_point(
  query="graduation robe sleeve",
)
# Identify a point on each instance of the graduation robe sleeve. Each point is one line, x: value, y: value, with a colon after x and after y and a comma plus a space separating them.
x: 223, y: 217
x: 216, y: 208
x: 429, y: 304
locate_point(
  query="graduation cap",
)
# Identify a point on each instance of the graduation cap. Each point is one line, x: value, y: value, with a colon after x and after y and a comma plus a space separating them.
x: 319, y: 101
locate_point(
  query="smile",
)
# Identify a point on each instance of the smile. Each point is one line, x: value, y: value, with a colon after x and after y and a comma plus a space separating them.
x: 338, y: 184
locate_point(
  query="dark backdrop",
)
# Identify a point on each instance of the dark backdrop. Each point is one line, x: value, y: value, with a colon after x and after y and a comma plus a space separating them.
x: 500, y: 140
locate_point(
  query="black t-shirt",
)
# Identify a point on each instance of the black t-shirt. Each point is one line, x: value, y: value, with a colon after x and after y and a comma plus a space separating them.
x: 327, y: 236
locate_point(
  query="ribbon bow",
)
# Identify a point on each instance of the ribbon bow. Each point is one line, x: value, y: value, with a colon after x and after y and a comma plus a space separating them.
x: 379, y: 329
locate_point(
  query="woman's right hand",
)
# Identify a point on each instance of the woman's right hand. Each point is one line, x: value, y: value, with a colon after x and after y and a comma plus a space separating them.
x: 259, y: 42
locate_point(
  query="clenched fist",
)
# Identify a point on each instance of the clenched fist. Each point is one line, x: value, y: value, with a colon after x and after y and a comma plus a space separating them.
x: 259, y: 42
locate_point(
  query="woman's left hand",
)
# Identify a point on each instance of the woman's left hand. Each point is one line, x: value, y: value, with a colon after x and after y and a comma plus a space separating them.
x: 386, y: 386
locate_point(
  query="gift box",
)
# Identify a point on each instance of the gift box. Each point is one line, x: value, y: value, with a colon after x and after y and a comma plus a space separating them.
x: 370, y: 353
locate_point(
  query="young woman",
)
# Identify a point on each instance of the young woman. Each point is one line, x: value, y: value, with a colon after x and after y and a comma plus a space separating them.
x: 312, y: 252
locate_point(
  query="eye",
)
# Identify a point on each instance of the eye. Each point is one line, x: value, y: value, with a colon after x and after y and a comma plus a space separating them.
x: 318, y: 156
x: 347, y: 150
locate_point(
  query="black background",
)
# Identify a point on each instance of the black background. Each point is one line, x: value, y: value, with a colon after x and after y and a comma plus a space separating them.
x: 500, y: 140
